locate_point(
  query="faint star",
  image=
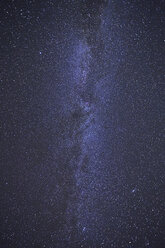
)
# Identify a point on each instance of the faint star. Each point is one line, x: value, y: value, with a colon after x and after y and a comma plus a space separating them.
x: 133, y: 191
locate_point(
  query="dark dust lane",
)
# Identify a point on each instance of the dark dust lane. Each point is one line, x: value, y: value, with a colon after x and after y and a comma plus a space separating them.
x: 82, y: 110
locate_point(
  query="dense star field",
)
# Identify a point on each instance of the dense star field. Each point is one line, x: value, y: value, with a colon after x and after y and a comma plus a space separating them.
x: 82, y: 111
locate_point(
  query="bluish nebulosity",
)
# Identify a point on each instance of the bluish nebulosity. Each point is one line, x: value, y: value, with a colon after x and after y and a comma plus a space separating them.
x: 82, y: 110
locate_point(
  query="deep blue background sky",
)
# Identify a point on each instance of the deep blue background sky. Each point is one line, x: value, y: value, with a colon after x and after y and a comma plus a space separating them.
x: 81, y: 122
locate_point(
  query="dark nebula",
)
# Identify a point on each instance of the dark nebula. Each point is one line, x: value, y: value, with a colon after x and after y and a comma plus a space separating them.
x: 82, y: 113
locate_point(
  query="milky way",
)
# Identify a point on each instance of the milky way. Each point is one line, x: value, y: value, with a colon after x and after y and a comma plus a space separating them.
x: 82, y: 109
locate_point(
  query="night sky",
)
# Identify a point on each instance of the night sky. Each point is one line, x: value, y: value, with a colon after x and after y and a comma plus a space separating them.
x: 82, y: 121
